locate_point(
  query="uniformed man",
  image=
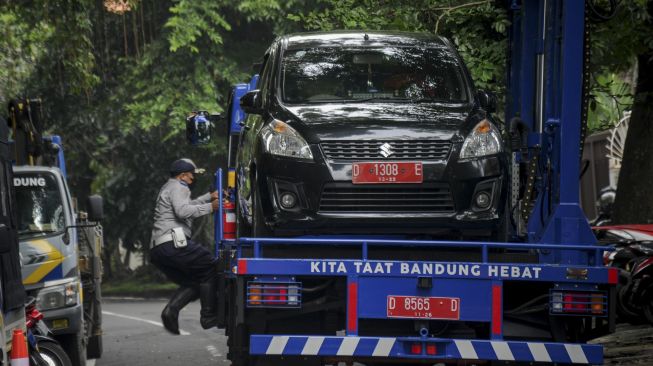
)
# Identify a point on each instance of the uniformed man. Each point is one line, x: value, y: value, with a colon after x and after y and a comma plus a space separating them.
x: 185, y: 262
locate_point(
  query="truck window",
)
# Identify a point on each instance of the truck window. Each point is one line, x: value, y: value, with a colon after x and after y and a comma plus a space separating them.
x: 40, y: 207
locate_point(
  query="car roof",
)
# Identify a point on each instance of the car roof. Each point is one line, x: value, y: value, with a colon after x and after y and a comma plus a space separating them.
x: 357, y: 38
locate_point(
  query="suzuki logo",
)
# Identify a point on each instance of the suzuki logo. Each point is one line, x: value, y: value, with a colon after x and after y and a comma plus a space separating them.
x: 386, y: 150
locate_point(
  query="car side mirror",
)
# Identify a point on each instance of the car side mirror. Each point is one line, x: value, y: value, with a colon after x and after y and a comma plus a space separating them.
x: 199, y: 127
x: 487, y: 100
x: 95, y: 207
x: 250, y: 102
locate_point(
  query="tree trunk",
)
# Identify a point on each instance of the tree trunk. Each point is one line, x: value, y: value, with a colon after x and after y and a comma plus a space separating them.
x: 634, y: 201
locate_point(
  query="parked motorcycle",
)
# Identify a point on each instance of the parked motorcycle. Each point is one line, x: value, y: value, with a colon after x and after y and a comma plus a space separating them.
x: 633, y: 255
x: 42, y: 348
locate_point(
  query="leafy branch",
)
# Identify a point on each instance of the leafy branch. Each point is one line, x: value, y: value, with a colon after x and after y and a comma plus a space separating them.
x: 448, y: 10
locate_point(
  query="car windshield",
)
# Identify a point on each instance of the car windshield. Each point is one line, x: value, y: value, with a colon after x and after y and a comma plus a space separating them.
x: 396, y: 74
x: 40, y: 208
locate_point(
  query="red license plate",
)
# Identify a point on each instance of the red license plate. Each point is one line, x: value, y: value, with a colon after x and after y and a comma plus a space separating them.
x: 423, y: 307
x: 383, y: 172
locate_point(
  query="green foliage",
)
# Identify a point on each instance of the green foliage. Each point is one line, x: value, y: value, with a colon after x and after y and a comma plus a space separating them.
x: 611, y: 97
x: 192, y: 20
x: 22, y: 48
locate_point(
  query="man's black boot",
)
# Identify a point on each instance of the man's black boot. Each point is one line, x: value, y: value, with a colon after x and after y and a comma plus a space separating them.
x: 208, y: 298
x: 170, y: 314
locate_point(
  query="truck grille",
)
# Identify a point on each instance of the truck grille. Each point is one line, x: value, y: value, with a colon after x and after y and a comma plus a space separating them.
x: 420, y: 198
x: 401, y: 150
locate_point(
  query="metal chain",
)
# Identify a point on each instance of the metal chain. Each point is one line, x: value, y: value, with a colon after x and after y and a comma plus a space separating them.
x: 527, y: 200
x: 586, y: 81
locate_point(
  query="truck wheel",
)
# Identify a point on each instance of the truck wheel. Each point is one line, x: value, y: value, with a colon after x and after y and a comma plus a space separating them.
x: 94, y: 347
x: 75, y: 348
x: 53, y: 354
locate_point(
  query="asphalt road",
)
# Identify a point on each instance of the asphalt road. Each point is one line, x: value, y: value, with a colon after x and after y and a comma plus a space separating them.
x: 134, y: 335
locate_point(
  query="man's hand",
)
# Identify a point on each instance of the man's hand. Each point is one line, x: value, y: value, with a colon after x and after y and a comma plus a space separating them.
x: 214, y: 195
x: 214, y: 203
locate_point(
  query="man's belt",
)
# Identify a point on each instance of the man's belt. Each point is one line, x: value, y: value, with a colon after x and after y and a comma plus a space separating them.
x: 163, y: 239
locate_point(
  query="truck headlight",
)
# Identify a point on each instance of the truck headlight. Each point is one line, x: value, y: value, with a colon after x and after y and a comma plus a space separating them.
x: 59, y: 296
x: 282, y: 140
x: 485, y: 139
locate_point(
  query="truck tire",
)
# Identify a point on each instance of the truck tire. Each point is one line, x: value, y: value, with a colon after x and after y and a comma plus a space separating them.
x: 75, y: 348
x: 52, y: 353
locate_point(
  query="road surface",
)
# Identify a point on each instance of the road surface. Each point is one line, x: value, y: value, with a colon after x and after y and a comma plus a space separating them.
x: 134, y: 335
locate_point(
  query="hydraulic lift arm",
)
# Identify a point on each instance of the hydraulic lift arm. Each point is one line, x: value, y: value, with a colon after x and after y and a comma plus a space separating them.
x: 546, y: 82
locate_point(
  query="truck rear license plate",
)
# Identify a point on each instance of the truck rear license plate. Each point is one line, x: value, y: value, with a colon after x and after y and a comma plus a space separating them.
x: 423, y: 307
x: 382, y: 172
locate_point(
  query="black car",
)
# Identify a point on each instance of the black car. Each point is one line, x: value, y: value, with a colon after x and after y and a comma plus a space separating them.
x: 370, y: 133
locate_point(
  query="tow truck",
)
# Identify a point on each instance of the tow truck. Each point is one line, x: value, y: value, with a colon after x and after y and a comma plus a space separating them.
x: 60, y: 246
x: 12, y: 293
x: 535, y: 298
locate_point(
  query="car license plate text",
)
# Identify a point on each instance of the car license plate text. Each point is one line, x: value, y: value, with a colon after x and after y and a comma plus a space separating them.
x: 423, y: 307
x: 386, y: 172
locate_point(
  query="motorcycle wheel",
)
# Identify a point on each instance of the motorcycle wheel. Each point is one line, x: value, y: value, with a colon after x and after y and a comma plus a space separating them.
x: 52, y: 354
x: 627, y: 310
x: 647, y: 303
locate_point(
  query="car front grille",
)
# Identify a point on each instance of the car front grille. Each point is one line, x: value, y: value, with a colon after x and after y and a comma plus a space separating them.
x: 400, y: 150
x: 418, y: 198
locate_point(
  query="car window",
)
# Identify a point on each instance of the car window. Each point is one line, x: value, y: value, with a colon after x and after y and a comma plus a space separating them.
x: 401, y: 74
x: 266, y: 76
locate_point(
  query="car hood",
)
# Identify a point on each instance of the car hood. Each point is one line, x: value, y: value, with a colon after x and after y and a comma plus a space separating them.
x: 380, y: 121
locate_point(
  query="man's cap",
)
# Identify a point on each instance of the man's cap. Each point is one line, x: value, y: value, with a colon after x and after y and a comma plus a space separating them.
x: 184, y: 165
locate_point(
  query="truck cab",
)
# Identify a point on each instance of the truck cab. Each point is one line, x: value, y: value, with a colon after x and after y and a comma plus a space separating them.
x: 48, y: 246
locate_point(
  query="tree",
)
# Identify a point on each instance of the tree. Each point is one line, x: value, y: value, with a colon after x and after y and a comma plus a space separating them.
x: 634, y: 203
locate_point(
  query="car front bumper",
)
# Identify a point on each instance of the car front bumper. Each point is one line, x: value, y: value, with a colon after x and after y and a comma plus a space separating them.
x: 328, y: 202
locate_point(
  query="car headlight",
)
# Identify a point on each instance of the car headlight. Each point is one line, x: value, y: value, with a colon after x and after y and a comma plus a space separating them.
x: 54, y: 297
x: 282, y: 140
x: 485, y: 139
